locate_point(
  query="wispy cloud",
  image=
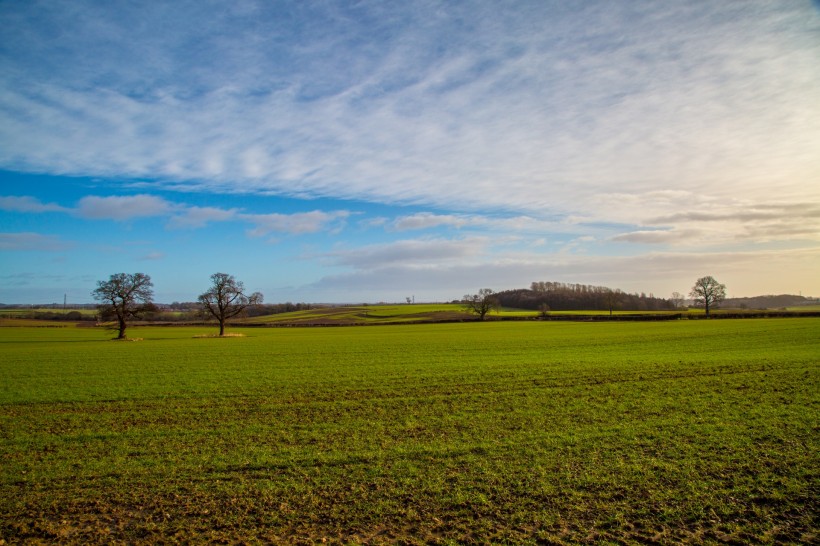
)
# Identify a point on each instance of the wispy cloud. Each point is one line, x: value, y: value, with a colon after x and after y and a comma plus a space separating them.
x: 416, y: 253
x: 152, y: 256
x: 733, y: 222
x: 509, y: 223
x: 197, y: 217
x: 32, y: 241
x: 537, y: 108
x: 296, y: 223
x: 28, y: 204
x: 182, y: 216
x: 122, y: 207
x: 654, y: 237
x: 424, y: 220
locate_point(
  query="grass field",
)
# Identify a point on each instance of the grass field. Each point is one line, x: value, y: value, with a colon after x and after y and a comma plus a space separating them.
x: 519, y: 432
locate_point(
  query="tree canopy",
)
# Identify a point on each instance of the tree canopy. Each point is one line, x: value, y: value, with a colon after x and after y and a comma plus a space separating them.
x: 481, y: 303
x: 707, y: 293
x: 226, y: 298
x: 124, y: 296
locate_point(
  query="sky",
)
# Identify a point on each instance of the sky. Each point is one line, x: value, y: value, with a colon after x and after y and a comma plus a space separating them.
x: 360, y: 152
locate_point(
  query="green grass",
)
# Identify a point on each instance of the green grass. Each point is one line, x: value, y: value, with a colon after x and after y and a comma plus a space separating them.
x: 522, y: 432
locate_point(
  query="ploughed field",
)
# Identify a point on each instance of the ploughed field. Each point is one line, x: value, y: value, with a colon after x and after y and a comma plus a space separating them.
x: 519, y: 432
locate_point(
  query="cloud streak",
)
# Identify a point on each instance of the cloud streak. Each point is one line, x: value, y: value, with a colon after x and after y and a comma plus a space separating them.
x: 415, y: 253
x: 28, y: 204
x: 122, y: 208
x: 295, y: 224
x: 182, y: 216
x: 29, y: 241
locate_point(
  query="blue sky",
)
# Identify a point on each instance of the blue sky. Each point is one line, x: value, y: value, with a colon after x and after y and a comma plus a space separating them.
x: 370, y: 151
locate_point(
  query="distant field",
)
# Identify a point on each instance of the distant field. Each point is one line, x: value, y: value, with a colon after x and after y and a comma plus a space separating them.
x: 401, y: 313
x: 29, y: 311
x: 18, y: 322
x: 804, y: 308
x: 517, y: 432
x: 368, y: 314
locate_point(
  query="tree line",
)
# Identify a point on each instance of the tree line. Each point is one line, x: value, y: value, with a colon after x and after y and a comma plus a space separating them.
x: 127, y: 296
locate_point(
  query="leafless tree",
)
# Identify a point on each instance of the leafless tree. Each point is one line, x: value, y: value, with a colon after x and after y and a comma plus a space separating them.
x: 226, y: 298
x: 481, y: 303
x: 707, y: 293
x: 124, y: 296
x: 677, y: 300
x: 613, y: 298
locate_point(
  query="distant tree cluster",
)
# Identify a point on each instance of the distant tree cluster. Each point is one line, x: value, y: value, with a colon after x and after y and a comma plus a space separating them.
x: 276, y: 308
x: 190, y: 310
x: 558, y: 296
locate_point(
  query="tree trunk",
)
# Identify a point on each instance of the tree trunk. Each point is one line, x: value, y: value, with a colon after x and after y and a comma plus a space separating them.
x: 122, y: 329
x: 221, y: 327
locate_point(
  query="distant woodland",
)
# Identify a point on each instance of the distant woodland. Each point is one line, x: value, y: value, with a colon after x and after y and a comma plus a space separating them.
x: 558, y: 296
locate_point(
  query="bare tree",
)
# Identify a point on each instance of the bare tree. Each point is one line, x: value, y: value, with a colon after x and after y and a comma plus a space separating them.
x: 481, y: 303
x: 613, y: 298
x: 707, y: 292
x: 226, y: 298
x: 677, y: 300
x: 124, y: 296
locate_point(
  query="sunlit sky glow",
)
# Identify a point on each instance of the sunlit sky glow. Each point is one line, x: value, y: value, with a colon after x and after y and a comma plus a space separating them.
x: 370, y: 151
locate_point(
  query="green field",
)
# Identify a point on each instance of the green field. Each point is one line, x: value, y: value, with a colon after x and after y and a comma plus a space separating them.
x: 402, y: 314
x: 517, y: 432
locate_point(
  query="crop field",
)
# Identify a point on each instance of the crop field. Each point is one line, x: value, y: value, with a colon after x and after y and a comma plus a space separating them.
x: 516, y: 432
x: 402, y: 314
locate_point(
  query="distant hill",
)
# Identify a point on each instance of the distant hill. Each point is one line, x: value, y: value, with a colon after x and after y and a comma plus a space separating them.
x: 767, y: 302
